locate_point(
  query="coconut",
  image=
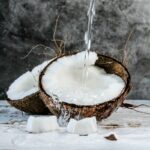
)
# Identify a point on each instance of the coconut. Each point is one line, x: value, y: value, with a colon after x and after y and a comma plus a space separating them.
x: 82, y: 127
x: 23, y: 93
x: 38, y: 124
x: 61, y: 85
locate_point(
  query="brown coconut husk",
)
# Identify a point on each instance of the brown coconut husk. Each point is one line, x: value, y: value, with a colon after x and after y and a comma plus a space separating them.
x: 100, y: 111
x: 30, y: 104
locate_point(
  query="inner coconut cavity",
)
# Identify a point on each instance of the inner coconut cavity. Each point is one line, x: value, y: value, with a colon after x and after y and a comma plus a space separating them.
x: 23, y: 86
x: 66, y: 78
x: 26, y: 84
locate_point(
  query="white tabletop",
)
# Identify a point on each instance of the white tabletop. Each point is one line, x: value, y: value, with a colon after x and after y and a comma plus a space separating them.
x: 131, y: 128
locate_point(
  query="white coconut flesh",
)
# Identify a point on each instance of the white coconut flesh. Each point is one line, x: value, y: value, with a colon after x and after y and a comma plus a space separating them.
x: 26, y: 84
x: 37, y: 124
x: 65, y: 78
x: 82, y: 127
x: 37, y: 70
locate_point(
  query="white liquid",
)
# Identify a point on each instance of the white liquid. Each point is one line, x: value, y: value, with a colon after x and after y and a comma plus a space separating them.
x: 87, y: 39
x: 63, y: 78
x: 88, y: 34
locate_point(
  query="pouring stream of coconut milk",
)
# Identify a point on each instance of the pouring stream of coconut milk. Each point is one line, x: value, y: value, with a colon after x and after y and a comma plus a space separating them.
x: 87, y: 39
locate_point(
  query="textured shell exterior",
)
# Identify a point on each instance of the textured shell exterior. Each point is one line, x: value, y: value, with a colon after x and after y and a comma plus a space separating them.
x: 30, y: 104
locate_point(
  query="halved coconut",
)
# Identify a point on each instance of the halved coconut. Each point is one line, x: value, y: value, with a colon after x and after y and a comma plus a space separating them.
x: 66, y: 87
x: 23, y: 93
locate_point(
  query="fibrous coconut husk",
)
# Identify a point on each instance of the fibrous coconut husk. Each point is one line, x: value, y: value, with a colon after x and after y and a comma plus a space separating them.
x: 102, y: 110
x: 30, y: 104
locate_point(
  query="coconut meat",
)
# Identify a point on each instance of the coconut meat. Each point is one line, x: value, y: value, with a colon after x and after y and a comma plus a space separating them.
x: 37, y: 124
x: 82, y: 127
x: 66, y: 79
x: 26, y: 84
x: 23, y: 86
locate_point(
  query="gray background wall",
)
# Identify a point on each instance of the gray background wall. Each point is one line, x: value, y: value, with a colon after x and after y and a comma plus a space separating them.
x: 26, y: 23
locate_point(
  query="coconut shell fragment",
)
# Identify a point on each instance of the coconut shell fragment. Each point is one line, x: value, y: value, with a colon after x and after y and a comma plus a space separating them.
x: 100, y: 111
x: 111, y: 137
x: 30, y: 104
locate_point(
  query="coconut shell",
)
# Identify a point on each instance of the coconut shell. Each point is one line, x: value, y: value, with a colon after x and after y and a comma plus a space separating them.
x: 30, y: 104
x: 100, y: 111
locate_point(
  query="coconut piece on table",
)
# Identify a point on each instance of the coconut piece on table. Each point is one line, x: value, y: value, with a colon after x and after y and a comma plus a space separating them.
x: 23, y: 93
x: 82, y: 127
x: 64, y: 84
x: 37, y: 124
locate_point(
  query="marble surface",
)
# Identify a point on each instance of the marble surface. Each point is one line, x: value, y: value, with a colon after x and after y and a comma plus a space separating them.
x: 26, y: 23
x: 132, y: 130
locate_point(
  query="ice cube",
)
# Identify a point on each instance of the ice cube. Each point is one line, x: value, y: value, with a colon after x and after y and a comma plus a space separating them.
x: 82, y: 127
x: 37, y: 124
